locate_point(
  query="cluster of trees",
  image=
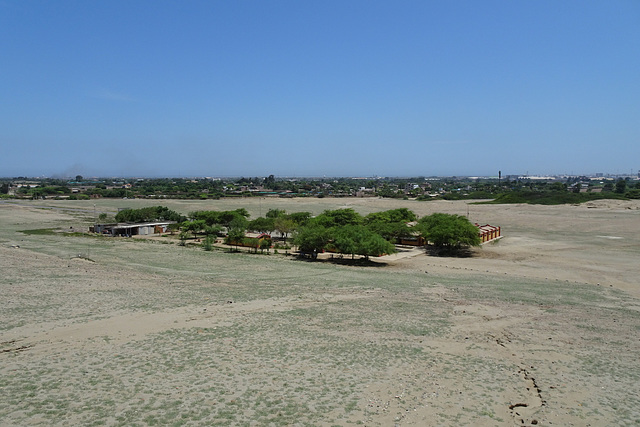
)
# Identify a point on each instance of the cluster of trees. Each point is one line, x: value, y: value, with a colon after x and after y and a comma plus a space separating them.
x: 278, y: 220
x: 149, y: 214
x: 421, y: 188
x: 180, y: 187
x: 212, y: 223
x: 347, y: 232
x: 342, y: 230
x: 49, y: 190
x: 628, y: 189
x: 235, y: 224
x: 556, y: 193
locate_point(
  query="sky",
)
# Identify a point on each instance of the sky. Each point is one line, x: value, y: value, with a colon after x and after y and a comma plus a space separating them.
x: 319, y: 88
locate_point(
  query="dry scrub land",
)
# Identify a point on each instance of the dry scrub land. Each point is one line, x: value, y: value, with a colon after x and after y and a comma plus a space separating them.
x: 541, y: 328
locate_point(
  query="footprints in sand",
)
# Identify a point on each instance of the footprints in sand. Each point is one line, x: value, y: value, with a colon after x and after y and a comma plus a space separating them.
x: 524, y: 412
x: 502, y: 339
x: 493, y: 333
x: 500, y: 331
x: 13, y: 348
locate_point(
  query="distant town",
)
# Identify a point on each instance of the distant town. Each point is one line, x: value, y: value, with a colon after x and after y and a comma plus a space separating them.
x: 598, y: 185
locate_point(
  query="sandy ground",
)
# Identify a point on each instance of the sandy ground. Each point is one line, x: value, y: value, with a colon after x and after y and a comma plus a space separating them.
x: 539, y: 328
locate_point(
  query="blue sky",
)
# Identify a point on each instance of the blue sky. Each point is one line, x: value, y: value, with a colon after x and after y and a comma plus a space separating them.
x: 312, y: 88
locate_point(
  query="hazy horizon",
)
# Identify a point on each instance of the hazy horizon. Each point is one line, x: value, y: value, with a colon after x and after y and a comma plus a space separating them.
x: 314, y: 177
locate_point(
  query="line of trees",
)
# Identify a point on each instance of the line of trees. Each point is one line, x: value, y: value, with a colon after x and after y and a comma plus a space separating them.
x: 347, y: 232
x: 421, y: 188
x: 149, y: 214
x: 342, y: 231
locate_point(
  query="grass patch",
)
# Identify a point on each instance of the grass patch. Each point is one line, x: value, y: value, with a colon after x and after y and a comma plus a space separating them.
x: 551, y: 197
x: 39, y: 232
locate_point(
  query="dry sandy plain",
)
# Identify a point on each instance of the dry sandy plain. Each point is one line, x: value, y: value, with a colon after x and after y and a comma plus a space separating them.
x: 540, y: 328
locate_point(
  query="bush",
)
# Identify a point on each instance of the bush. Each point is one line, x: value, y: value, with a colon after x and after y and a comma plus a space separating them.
x: 183, y: 238
x: 207, y: 243
x: 449, y: 232
x: 633, y: 194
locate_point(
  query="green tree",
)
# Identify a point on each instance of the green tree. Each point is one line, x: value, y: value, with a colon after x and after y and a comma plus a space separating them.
x: 347, y: 239
x: 300, y: 218
x: 275, y: 213
x: 228, y: 217
x: 391, y: 231
x: 338, y: 217
x: 210, y: 217
x: 223, y: 218
x: 236, y: 230
x: 173, y: 228
x: 359, y: 240
x: 262, y: 225
x: 148, y: 214
x: 621, y: 186
x: 633, y: 193
x: 269, y: 181
x: 390, y: 224
x: 393, y: 215
x: 265, y: 244
x: 183, y: 236
x: 375, y: 245
x: 558, y: 186
x: 312, y: 238
x: 194, y: 226
x: 207, y: 243
x: 285, y: 226
x: 448, y: 232
x: 211, y: 230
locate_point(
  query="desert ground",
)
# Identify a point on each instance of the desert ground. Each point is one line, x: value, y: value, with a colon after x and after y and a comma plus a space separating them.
x: 539, y: 328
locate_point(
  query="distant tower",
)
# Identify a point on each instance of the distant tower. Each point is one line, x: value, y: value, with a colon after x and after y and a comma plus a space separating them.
x: 499, y: 177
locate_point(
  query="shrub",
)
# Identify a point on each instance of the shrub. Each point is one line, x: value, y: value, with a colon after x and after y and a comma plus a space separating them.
x: 449, y: 232
x: 183, y: 237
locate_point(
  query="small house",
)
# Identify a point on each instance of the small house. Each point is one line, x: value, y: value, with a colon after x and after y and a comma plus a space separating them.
x: 132, y: 229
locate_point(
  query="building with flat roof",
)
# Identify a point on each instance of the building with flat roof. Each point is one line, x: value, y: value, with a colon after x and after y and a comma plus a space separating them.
x: 131, y: 229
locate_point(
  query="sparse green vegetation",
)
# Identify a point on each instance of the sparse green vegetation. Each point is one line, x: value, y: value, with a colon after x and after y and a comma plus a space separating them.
x: 153, y: 334
x: 39, y: 231
x: 551, y: 198
x: 421, y: 188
